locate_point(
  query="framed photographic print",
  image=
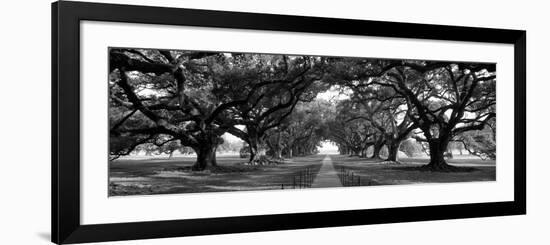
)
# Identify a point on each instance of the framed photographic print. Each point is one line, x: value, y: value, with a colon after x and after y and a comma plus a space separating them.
x: 176, y: 122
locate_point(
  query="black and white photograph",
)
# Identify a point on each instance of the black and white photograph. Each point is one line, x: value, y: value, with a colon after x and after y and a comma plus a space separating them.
x: 275, y: 122
x: 194, y: 121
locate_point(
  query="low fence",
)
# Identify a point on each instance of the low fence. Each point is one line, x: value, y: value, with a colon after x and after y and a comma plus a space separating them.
x: 301, y: 180
x: 349, y: 178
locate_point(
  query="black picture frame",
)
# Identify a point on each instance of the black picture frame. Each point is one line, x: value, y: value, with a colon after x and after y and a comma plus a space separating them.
x: 66, y: 18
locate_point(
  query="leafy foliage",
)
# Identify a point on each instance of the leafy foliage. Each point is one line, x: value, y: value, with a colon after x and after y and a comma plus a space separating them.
x: 166, y: 101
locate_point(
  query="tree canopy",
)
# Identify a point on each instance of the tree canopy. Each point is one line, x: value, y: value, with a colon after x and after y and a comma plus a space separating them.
x: 172, y: 100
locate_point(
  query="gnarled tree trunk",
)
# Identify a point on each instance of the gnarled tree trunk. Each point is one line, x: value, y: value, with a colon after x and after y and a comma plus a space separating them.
x: 206, y: 151
x: 278, y: 148
x: 278, y: 153
x: 438, y: 147
x: 257, y: 153
x: 355, y: 151
x: 377, y: 147
x: 206, y: 156
x: 253, y: 148
x: 290, y: 152
x: 364, y: 153
x: 393, y: 150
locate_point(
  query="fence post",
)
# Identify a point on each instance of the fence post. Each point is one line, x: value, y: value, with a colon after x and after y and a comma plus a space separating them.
x: 300, y: 180
x: 308, y: 177
x: 344, y: 177
x: 306, y: 183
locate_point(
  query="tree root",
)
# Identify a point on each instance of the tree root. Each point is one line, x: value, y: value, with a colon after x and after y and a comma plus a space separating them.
x: 445, y: 168
x: 214, y: 169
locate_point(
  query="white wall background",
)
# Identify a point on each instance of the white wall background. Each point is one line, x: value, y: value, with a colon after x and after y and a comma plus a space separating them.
x: 25, y: 122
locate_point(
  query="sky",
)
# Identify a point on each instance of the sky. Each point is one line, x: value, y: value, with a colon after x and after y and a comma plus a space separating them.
x: 333, y: 94
x: 328, y: 147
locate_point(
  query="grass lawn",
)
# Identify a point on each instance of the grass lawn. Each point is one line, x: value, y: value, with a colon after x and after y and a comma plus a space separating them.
x: 380, y: 173
x: 143, y: 176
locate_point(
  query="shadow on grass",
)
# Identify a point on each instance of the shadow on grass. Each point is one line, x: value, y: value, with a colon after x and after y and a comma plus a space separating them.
x: 424, y: 168
x: 218, y: 169
x: 141, y: 177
